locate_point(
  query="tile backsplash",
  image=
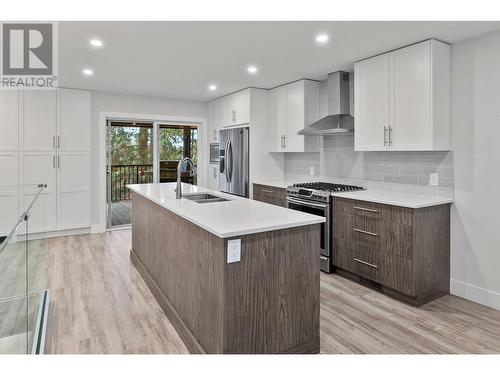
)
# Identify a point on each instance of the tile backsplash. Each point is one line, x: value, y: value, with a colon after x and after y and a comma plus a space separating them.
x: 394, y: 170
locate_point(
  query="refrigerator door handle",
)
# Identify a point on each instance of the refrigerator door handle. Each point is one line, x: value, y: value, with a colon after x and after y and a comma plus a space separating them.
x: 230, y: 161
x: 226, y: 160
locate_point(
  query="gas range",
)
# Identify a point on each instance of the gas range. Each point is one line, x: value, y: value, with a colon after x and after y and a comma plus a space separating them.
x: 318, y: 191
x: 316, y: 198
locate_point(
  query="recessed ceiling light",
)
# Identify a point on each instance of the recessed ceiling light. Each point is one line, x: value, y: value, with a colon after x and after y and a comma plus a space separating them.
x: 96, y: 43
x: 88, y: 72
x: 252, y: 69
x: 212, y: 87
x: 322, y: 38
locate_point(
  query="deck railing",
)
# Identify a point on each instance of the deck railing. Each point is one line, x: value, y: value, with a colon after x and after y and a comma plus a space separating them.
x: 122, y: 175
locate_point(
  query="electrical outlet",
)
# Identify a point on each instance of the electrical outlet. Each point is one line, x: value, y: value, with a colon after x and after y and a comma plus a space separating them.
x: 434, y: 179
x: 311, y: 171
x: 234, y: 250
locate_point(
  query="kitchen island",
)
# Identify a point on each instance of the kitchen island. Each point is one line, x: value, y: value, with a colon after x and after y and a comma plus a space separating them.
x: 263, y: 298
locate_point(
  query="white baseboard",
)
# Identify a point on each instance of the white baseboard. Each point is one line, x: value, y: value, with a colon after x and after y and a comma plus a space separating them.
x: 97, y: 228
x: 55, y: 233
x: 474, y: 293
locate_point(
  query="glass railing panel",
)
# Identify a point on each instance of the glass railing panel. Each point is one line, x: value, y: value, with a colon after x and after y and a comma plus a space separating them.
x: 13, y: 295
x: 23, y: 294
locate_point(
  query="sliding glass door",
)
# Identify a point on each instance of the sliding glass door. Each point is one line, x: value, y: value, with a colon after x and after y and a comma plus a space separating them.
x: 130, y: 161
x: 174, y: 143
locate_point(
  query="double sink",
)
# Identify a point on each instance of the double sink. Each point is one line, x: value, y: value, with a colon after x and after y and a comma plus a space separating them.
x: 204, y: 198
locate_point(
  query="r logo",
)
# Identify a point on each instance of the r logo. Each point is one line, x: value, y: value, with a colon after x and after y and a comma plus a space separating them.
x: 27, y: 49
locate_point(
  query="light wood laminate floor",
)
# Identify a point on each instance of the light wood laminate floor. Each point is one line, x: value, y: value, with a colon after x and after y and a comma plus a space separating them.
x: 100, y: 304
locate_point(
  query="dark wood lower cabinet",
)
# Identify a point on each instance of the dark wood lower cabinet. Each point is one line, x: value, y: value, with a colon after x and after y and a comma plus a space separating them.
x: 403, y: 251
x: 269, y: 194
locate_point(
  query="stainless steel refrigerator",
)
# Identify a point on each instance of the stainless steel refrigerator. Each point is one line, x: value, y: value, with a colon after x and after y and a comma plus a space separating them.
x: 233, y: 161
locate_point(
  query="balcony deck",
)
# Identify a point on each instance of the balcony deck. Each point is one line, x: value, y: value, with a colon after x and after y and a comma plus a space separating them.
x: 121, y: 213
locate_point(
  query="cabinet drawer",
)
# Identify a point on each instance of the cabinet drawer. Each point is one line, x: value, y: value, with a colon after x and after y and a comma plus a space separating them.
x: 367, y: 262
x: 397, y: 273
x: 269, y: 191
x: 269, y: 194
x: 342, y: 254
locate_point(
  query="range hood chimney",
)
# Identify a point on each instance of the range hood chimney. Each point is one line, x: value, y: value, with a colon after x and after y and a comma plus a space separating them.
x: 338, y: 119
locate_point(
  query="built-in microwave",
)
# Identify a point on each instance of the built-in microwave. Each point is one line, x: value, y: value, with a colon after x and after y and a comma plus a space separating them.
x: 214, y: 153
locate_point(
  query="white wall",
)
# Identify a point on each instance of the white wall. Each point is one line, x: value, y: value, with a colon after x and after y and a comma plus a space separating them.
x: 475, y: 247
x: 108, y: 102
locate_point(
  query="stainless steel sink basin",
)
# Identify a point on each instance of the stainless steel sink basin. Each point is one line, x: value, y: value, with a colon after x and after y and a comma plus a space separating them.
x: 204, y: 198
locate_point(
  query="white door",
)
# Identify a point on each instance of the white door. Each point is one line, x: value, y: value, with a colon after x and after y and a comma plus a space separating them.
x: 9, y: 107
x: 371, y: 108
x: 74, y: 121
x: 39, y: 168
x: 9, y: 180
x: 39, y: 120
x: 295, y: 117
x: 73, y: 190
x: 410, y: 86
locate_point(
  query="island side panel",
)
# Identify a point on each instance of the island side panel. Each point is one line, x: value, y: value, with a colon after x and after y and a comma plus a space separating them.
x: 183, y: 266
x: 271, y: 297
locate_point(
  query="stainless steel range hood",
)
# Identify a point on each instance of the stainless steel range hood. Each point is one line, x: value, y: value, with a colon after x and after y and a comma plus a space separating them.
x: 338, y: 119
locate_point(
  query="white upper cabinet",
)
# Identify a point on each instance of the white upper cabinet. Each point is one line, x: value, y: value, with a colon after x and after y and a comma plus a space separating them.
x: 236, y: 109
x: 293, y: 107
x: 9, y: 113
x: 402, y: 99
x: 278, y: 115
x: 215, y: 119
x: 39, y: 122
x: 74, y: 120
x: 371, y: 107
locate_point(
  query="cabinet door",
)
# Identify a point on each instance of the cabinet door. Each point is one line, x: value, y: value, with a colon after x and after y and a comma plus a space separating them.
x: 9, y: 184
x: 213, y: 176
x: 39, y: 120
x: 211, y: 123
x: 278, y: 103
x: 73, y: 190
x: 219, y: 118
x: 295, y: 117
x: 237, y: 109
x: 371, y: 108
x: 215, y: 119
x: 74, y: 121
x: 39, y: 168
x: 410, y: 105
x: 9, y: 107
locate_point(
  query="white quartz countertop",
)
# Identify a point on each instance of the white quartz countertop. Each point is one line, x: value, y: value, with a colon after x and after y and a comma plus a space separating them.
x: 236, y: 217
x: 394, y: 198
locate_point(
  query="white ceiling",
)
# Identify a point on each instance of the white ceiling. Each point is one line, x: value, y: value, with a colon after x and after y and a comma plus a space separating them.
x: 180, y: 59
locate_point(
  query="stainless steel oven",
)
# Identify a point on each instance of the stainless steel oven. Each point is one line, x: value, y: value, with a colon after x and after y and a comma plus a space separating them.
x: 316, y: 198
x: 321, y: 209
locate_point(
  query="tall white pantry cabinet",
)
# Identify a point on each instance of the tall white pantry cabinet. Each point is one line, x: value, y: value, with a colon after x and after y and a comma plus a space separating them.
x: 45, y: 138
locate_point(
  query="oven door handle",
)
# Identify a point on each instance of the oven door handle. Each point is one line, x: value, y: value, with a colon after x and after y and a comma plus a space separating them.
x: 307, y: 204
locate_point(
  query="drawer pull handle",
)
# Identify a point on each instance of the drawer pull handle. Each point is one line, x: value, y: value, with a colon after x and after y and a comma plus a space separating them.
x: 365, y: 263
x: 365, y: 232
x: 267, y: 191
x: 365, y: 209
